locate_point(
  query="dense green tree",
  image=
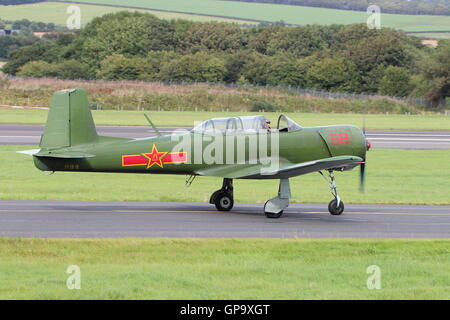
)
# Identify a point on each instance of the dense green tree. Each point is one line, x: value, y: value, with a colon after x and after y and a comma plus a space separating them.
x: 395, y: 82
x: 436, y: 73
x: 235, y: 65
x: 118, y: 67
x: 126, y: 33
x: 200, y: 67
x: 69, y: 69
x: 334, y: 74
x: 287, y: 72
x: 214, y: 36
x: 11, y: 43
x: 255, y: 71
x: 45, y: 51
x: 260, y: 37
x: 300, y: 41
x: 36, y: 69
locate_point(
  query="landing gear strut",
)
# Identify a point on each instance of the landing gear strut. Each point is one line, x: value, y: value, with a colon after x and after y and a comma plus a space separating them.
x: 223, y: 198
x: 274, y: 207
x: 336, y: 206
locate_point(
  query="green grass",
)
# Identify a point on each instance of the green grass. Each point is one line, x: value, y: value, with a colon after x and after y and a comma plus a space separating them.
x: 56, y: 13
x: 393, y: 176
x: 188, y: 118
x: 224, y: 268
x: 289, y: 14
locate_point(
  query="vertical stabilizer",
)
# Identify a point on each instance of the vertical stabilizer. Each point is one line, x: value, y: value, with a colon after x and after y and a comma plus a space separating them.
x: 69, y: 121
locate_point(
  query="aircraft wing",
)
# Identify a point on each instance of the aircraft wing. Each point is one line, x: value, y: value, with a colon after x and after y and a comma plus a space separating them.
x: 286, y: 170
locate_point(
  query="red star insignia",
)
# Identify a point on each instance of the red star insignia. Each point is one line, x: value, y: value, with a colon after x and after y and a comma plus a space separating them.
x: 154, y: 157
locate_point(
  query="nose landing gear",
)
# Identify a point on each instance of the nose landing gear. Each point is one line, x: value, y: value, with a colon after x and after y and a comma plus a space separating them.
x: 274, y: 207
x: 336, y: 206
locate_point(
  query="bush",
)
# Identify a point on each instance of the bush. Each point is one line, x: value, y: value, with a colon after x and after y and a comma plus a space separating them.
x: 69, y: 70
x: 36, y: 69
x: 199, y: 67
x: 395, y: 82
x: 264, y: 106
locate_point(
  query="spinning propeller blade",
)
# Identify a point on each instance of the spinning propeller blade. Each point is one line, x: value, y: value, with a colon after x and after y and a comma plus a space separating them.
x: 362, y: 176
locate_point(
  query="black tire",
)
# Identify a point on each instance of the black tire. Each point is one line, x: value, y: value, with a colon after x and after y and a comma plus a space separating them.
x: 224, y: 202
x: 334, y: 209
x: 271, y: 215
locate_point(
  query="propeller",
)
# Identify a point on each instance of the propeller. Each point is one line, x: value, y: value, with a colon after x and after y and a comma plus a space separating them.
x: 362, y: 167
x: 362, y: 176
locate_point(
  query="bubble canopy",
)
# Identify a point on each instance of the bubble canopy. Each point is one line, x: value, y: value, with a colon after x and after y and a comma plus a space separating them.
x: 246, y: 124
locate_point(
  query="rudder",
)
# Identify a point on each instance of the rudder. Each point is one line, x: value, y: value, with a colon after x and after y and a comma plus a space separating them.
x: 69, y: 121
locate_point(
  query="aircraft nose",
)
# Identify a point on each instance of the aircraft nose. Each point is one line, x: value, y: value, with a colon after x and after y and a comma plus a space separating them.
x: 363, y: 144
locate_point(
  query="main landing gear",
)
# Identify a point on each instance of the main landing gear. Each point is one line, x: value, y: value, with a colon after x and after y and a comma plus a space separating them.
x: 336, y: 206
x: 273, y: 208
x: 223, y: 198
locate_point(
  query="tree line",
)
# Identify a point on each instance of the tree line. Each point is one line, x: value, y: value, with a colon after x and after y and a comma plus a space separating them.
x: 337, y: 58
x: 11, y: 43
x: 433, y: 7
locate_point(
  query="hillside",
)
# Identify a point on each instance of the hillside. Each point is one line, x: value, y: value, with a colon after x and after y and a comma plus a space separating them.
x: 435, y: 7
x: 136, y: 46
x: 298, y: 15
x: 54, y: 12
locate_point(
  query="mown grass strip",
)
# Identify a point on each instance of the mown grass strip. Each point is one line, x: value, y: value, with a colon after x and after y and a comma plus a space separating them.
x: 224, y: 268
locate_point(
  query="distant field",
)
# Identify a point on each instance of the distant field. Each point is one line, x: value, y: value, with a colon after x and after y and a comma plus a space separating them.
x: 289, y: 14
x: 56, y: 13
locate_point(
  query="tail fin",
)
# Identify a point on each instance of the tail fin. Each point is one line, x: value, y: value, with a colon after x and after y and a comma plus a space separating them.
x: 69, y: 121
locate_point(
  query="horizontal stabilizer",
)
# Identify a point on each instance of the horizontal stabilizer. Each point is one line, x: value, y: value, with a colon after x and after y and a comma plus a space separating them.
x: 29, y: 152
x: 64, y: 154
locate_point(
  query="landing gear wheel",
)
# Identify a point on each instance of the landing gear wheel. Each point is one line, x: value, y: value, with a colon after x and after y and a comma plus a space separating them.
x: 224, y: 202
x: 272, y: 215
x: 334, y: 209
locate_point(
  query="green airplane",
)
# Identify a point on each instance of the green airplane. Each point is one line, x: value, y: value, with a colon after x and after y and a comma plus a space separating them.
x: 227, y: 148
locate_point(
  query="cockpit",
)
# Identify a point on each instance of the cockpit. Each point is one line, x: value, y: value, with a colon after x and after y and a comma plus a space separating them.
x: 246, y: 124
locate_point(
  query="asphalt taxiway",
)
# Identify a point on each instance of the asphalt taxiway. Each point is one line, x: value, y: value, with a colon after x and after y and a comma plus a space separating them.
x: 48, y: 219
x: 14, y: 134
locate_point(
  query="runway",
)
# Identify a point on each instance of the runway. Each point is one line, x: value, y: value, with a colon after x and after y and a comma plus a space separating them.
x: 63, y: 219
x: 14, y: 134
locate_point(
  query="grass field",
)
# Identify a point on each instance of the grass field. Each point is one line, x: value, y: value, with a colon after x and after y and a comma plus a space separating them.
x: 188, y: 118
x: 393, y: 176
x: 289, y: 14
x: 56, y: 13
x: 224, y: 269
